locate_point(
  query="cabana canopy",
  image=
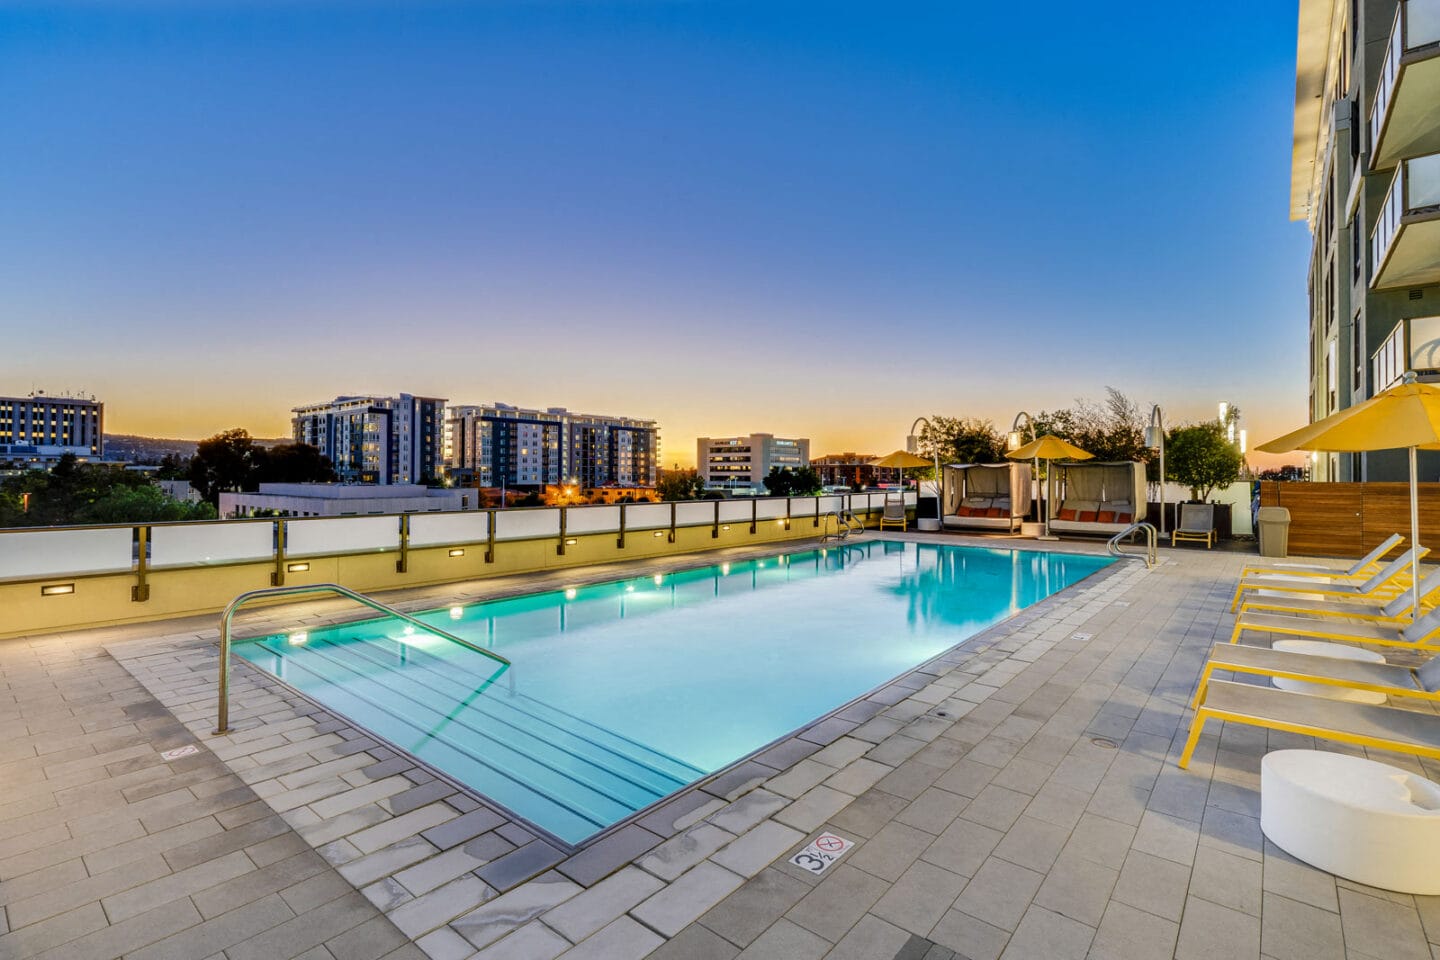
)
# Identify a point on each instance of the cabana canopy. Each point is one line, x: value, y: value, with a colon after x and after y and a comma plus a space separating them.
x: 986, y: 495
x: 1102, y: 498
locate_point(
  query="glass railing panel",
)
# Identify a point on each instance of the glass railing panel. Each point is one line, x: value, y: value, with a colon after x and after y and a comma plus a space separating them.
x: 1386, y: 364
x: 1422, y: 23
x: 1422, y: 182
x: 1389, y: 72
x: 1388, y: 221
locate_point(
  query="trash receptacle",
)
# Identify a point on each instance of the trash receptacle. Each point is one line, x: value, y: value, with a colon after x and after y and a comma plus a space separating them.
x: 1274, y: 532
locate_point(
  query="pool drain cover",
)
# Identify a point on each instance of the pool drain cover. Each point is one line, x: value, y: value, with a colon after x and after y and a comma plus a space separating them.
x: 1105, y: 742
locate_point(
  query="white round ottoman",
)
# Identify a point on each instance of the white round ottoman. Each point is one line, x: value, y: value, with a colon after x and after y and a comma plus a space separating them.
x: 1359, y: 819
x: 1341, y: 651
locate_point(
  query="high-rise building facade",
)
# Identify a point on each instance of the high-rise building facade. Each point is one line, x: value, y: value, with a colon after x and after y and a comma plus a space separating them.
x: 498, y: 445
x: 740, y: 464
x: 1365, y: 175
x: 41, y: 426
x: 376, y: 439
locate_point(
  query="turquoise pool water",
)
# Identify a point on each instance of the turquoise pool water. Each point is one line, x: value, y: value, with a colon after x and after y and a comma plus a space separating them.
x: 622, y: 693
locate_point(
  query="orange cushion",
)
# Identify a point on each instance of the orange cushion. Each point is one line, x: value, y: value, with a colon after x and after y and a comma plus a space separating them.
x: 962, y: 512
x: 1105, y: 516
x: 1087, y: 516
x: 995, y: 512
x: 1122, y: 518
x: 1065, y: 515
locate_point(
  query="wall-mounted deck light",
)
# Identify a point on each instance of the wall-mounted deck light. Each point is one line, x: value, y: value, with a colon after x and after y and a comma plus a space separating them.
x: 457, y: 552
x: 57, y: 589
x: 571, y: 541
x: 658, y: 533
x: 296, y: 567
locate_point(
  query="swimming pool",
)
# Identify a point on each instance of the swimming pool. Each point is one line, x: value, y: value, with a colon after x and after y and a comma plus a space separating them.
x: 622, y: 693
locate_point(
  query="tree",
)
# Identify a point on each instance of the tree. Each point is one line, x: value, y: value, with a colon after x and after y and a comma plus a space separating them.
x: 173, y: 467
x: 680, y: 485
x: 789, y: 482
x: 224, y: 462
x: 961, y: 440
x: 1200, y: 457
x: 292, y: 463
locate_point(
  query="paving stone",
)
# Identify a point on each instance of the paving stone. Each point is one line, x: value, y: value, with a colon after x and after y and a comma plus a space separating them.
x: 871, y: 937
x: 963, y: 847
x: 748, y: 810
x: 858, y: 776
x: 678, y: 854
x: 1126, y: 933
x: 606, y: 856
x: 1226, y: 879
x: 740, y: 779
x: 1100, y: 839
x: 1209, y: 930
x: 1166, y: 837
x: 786, y: 941
x: 496, y: 918
x: 747, y: 855
x: 696, y: 942
x: 890, y: 852
x: 1153, y: 884
x: 1387, y: 929
x: 1043, y: 933
x: 441, y: 905
x: 1288, y: 877
x: 1290, y: 930
x: 176, y: 886
x: 687, y: 809
x: 844, y: 895
x: 297, y: 935
x: 933, y: 810
x: 520, y: 865
x: 814, y: 807
x: 750, y: 910
x: 367, y: 869
x: 587, y: 912
x: 999, y: 893
x: 462, y: 828
x: 842, y: 752
x: 534, y: 941
x: 398, y: 828
x: 1033, y: 843
x: 669, y: 910
x: 919, y: 898
x: 869, y: 812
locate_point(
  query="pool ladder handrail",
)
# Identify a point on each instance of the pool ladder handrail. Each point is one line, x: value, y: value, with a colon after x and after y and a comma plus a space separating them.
x: 846, y: 523
x: 1151, y: 555
x: 222, y: 724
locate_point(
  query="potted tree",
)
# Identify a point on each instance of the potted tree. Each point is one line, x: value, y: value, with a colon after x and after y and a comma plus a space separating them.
x: 1203, y: 459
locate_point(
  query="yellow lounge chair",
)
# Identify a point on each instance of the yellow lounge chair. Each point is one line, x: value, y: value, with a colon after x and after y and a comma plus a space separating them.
x: 1394, y: 610
x: 1389, y: 728
x: 1383, y: 584
x: 1385, y: 622
x: 1388, y: 678
x: 894, y: 513
x: 1359, y: 570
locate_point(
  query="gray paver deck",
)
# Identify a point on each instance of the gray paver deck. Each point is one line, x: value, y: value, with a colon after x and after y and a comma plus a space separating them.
x: 1016, y: 798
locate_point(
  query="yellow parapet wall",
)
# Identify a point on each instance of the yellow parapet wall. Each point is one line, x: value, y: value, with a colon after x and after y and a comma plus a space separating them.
x: 67, y: 602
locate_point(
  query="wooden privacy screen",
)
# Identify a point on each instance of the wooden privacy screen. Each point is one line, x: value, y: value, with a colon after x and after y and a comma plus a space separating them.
x: 1350, y: 519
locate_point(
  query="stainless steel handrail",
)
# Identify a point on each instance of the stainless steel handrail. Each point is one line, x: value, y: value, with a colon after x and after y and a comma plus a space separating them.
x: 842, y: 529
x: 222, y: 724
x: 1152, y: 553
x: 852, y: 523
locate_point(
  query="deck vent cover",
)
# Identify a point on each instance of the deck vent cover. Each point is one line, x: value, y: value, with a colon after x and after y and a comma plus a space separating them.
x: 1417, y: 294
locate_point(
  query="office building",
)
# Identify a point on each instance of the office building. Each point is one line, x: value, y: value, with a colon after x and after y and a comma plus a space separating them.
x: 1365, y: 175
x: 42, y: 429
x: 376, y: 439
x: 740, y: 464
x: 499, y: 445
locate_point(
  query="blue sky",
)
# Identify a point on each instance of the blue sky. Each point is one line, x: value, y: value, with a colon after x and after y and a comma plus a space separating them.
x: 821, y: 219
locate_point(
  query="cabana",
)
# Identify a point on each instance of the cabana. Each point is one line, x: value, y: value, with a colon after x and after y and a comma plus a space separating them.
x: 1097, y: 498
x: 989, y: 496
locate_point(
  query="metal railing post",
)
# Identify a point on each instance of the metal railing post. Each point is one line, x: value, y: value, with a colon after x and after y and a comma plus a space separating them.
x: 141, y: 591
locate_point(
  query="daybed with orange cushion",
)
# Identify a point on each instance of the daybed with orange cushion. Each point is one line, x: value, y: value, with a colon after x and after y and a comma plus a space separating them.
x: 986, y: 496
x: 1096, y: 498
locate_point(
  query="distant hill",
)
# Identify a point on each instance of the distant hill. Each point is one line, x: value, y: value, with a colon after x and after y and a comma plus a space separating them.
x: 136, y: 449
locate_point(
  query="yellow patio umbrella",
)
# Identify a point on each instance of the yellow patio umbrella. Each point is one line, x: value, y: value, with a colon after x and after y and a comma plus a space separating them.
x: 1407, y: 415
x: 904, y: 460
x: 1049, y: 447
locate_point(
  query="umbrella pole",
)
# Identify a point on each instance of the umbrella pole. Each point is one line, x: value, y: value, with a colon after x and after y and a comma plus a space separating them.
x: 1414, y: 541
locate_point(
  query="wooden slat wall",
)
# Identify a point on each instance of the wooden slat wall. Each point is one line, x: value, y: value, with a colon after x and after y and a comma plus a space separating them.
x: 1349, y: 519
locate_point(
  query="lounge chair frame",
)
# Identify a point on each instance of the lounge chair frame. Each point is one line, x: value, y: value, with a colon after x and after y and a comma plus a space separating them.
x: 1184, y: 532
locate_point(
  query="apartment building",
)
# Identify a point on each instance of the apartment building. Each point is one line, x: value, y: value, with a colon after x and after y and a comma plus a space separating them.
x: 372, y: 439
x: 38, y: 427
x: 499, y: 445
x: 740, y: 464
x: 853, y: 470
x: 1365, y: 175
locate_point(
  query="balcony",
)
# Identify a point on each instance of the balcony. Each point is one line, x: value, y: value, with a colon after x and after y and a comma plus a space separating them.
x: 1405, y: 245
x: 1403, y: 119
x: 1413, y: 346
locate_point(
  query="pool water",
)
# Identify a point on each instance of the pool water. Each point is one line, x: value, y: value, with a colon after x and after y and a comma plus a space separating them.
x: 622, y: 693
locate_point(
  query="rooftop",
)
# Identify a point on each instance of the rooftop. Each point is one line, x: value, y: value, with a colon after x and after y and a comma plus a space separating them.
x: 1016, y: 798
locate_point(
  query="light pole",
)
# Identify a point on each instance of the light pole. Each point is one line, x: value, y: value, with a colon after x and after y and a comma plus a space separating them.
x: 912, y: 445
x: 1155, y: 440
x: 1013, y: 441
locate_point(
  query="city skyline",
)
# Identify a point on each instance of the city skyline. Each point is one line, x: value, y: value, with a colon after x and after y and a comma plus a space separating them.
x: 726, y: 217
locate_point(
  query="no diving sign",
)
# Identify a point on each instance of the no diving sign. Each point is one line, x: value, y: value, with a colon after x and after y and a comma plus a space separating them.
x: 822, y: 851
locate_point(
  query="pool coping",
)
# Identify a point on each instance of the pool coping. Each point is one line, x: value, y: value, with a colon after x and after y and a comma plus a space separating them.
x: 658, y: 845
